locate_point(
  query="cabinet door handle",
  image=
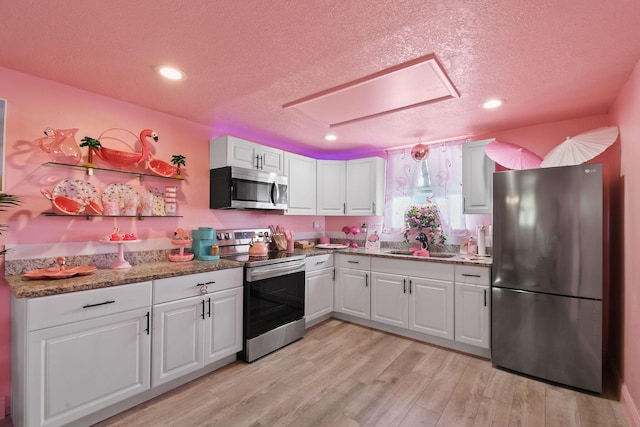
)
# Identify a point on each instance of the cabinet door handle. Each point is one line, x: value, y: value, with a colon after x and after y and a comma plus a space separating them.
x: 257, y: 162
x: 373, y: 205
x: 404, y: 286
x: 353, y: 262
x: 209, y: 302
x: 410, y: 283
x: 471, y: 275
x: 100, y: 303
x: 203, y: 309
x: 485, y: 297
x: 366, y: 280
x: 344, y: 208
x: 148, y: 323
x: 334, y: 275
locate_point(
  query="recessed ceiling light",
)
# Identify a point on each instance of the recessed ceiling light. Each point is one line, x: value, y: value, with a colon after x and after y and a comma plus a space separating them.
x: 170, y: 73
x: 330, y: 137
x: 492, y: 103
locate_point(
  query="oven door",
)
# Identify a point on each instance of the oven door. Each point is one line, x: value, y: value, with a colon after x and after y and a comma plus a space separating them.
x: 271, y: 302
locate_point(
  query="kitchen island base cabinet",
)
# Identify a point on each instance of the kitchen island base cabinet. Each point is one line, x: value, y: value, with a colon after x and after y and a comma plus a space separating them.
x: 93, y: 354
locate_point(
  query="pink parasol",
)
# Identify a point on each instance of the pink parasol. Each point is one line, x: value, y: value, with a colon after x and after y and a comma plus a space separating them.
x: 581, y: 148
x: 512, y: 156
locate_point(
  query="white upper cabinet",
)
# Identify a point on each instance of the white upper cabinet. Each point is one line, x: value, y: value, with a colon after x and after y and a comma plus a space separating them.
x: 301, y: 171
x: 352, y: 187
x: 477, y: 178
x: 365, y: 186
x: 231, y: 151
x: 332, y: 180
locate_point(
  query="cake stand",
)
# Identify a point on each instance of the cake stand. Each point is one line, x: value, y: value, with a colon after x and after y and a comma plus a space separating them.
x: 182, y: 257
x: 120, y: 262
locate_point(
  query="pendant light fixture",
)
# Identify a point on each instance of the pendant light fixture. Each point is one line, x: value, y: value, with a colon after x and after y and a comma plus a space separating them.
x: 419, y: 151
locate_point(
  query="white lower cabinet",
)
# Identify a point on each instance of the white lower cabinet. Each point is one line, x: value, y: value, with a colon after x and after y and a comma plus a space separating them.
x: 473, y: 305
x: 320, y: 275
x: 352, y: 290
x: 74, y: 354
x: 431, y: 307
x: 191, y: 332
x: 416, y: 303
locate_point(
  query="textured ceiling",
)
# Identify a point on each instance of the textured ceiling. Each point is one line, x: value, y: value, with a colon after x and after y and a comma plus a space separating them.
x: 547, y: 59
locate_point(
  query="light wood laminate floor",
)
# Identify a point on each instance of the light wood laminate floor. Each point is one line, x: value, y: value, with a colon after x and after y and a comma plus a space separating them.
x: 343, y: 374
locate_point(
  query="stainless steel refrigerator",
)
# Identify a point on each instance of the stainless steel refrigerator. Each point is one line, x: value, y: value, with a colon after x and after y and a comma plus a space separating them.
x: 546, y: 318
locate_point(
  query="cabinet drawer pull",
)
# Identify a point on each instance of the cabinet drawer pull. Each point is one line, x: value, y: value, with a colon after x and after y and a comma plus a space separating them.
x: 203, y: 309
x: 320, y: 262
x: 353, y: 262
x: 471, y: 275
x: 206, y: 283
x: 147, y: 316
x: 100, y: 303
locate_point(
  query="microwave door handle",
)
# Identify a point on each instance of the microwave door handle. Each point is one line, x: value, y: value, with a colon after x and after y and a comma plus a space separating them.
x: 275, y: 188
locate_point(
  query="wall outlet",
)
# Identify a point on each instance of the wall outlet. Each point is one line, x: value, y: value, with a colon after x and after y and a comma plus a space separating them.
x: 316, y: 224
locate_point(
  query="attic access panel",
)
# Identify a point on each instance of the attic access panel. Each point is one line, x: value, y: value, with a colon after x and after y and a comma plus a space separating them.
x: 412, y: 84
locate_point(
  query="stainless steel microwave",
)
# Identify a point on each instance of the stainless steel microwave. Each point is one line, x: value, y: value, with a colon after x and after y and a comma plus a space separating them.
x: 239, y: 188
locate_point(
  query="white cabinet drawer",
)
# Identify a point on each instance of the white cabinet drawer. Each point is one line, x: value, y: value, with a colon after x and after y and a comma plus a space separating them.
x: 424, y: 269
x: 473, y: 275
x: 56, y: 310
x: 175, y: 288
x: 319, y: 262
x: 358, y: 262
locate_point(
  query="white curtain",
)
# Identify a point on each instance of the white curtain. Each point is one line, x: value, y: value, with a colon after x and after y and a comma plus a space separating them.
x: 445, y: 174
x: 402, y: 175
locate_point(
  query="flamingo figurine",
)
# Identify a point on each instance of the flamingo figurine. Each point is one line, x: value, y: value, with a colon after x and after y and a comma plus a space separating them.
x: 126, y: 158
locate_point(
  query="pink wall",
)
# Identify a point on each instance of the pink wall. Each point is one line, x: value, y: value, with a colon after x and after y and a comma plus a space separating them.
x: 626, y: 114
x: 34, y: 104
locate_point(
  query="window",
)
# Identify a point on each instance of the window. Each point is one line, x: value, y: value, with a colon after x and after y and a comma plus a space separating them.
x: 439, y: 177
x: 423, y: 186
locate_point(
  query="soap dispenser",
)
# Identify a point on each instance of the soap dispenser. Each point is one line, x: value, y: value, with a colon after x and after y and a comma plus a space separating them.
x: 472, y: 246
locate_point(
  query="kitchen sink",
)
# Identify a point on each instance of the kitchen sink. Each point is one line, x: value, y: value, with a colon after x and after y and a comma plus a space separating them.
x: 441, y: 255
x: 402, y: 252
x: 431, y: 255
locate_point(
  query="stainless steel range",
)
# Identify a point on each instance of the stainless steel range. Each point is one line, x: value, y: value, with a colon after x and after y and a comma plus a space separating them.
x: 273, y: 294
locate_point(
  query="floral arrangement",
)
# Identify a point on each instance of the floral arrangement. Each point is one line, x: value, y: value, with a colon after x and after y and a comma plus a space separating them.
x: 425, y: 219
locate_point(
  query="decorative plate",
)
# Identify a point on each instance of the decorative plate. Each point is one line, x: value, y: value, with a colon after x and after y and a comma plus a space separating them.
x: 56, y: 273
x: 76, y: 189
x: 161, y: 168
x: 118, y: 191
x: 158, y: 202
x: 331, y: 246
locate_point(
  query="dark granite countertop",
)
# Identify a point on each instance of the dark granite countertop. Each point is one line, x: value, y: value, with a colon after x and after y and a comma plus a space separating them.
x: 104, y: 277
x: 101, y: 278
x: 386, y: 253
